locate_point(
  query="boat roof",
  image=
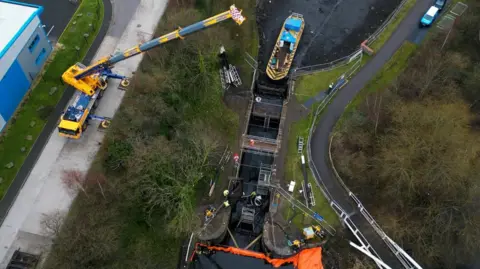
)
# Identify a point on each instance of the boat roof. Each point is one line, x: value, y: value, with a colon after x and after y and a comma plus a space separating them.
x: 432, y: 11
x: 288, y: 37
x: 293, y: 24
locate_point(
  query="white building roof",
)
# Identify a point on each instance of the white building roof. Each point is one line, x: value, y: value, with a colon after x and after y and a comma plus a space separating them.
x: 14, y: 17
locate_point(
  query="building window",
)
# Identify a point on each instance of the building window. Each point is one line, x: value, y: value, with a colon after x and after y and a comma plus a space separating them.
x: 34, y: 43
x: 41, y: 57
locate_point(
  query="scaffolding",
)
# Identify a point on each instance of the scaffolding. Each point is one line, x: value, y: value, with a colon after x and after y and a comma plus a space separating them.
x: 264, y: 179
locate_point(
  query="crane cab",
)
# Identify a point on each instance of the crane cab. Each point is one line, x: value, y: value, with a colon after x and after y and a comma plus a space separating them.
x: 73, y: 122
x: 88, y: 84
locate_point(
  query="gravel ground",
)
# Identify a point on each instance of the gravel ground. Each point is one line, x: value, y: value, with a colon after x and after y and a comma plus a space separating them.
x: 334, y: 28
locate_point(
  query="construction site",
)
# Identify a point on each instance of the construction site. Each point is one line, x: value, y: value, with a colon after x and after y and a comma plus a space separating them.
x: 252, y: 221
x: 253, y: 217
x: 253, y: 214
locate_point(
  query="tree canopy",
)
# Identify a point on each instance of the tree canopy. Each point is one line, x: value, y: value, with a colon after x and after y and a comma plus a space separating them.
x: 413, y: 157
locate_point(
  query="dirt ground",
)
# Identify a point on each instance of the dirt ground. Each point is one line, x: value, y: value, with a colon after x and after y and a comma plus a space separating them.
x: 334, y: 28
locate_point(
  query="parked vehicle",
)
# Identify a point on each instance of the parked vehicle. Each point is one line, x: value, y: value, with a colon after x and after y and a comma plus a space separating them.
x: 429, y: 16
x: 440, y: 4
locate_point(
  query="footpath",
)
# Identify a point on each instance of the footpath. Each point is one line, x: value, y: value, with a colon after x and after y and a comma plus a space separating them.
x: 321, y: 134
x: 42, y: 192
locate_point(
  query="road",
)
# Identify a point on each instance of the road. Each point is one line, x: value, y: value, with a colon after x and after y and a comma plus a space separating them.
x: 320, y: 136
x: 37, y: 189
x: 37, y: 148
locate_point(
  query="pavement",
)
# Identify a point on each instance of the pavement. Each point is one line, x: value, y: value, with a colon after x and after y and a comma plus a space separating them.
x: 41, y: 191
x: 320, y: 137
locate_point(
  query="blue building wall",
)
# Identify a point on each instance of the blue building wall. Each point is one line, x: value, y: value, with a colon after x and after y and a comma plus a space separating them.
x: 27, y: 64
x: 13, y: 87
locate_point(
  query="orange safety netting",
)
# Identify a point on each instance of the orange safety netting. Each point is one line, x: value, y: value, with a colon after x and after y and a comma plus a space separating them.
x: 306, y: 259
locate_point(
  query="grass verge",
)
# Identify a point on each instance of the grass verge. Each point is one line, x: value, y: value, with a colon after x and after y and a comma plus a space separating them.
x: 388, y: 31
x: 308, y: 86
x: 31, y: 116
x: 294, y: 172
x: 386, y: 75
x: 161, y: 150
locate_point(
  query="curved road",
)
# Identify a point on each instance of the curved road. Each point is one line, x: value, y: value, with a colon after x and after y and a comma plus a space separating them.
x: 320, y: 136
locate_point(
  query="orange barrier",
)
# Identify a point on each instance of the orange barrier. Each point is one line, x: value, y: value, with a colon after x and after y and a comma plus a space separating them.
x: 310, y: 258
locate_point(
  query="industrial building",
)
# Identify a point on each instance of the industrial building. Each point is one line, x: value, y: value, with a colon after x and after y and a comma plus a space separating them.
x: 24, y: 48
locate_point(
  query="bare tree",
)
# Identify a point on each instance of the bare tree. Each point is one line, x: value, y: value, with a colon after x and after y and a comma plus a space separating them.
x: 74, y: 181
x: 96, y: 179
x: 52, y: 222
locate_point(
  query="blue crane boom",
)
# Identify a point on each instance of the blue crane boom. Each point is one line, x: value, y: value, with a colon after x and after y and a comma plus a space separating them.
x: 87, y: 79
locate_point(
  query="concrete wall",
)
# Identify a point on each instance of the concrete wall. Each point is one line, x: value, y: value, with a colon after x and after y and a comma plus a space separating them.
x: 20, y: 66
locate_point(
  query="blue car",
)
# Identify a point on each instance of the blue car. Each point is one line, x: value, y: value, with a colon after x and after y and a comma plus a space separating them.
x: 440, y: 4
x: 430, y: 16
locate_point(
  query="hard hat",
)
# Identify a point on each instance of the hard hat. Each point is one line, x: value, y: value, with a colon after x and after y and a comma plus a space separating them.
x: 226, y: 204
x: 258, y: 200
x: 225, y: 193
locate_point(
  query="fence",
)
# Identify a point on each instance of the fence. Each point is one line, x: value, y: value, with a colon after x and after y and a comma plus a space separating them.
x: 335, y: 206
x: 306, y: 70
x: 403, y: 257
x: 387, y: 22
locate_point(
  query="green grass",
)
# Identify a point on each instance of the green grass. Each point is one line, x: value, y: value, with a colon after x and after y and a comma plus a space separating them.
x: 308, y: 86
x: 293, y: 171
x: 14, y: 136
x: 388, y: 31
x: 386, y: 75
x: 293, y: 168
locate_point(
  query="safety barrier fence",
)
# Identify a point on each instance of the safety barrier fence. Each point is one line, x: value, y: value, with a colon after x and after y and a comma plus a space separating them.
x: 302, y: 207
x: 387, y: 22
x: 306, y: 70
x: 343, y: 215
x: 401, y: 255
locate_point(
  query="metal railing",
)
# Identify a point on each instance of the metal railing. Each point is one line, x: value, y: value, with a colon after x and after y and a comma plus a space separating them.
x: 306, y: 70
x: 344, y: 216
x: 387, y: 22
x: 402, y: 256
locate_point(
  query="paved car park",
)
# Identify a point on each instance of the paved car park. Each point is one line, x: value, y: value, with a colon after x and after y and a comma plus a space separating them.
x: 55, y: 16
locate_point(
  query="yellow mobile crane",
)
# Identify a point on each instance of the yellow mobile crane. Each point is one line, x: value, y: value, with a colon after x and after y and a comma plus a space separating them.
x: 91, y: 81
